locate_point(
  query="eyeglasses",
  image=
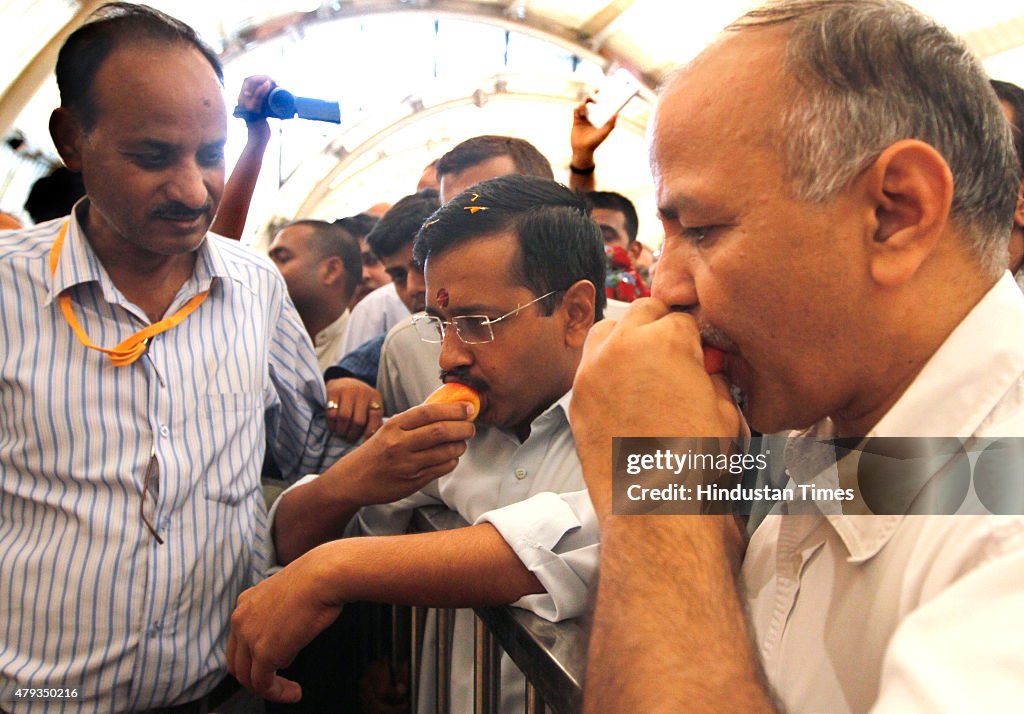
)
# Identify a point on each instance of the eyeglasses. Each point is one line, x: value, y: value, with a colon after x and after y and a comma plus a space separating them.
x: 150, y: 492
x: 471, y: 329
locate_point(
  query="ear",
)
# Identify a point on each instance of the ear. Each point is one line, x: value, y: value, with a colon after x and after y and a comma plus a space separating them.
x: 578, y: 307
x: 1018, y: 214
x: 910, y: 188
x: 67, y: 134
x: 332, y: 270
x: 635, y: 250
x: 1017, y: 234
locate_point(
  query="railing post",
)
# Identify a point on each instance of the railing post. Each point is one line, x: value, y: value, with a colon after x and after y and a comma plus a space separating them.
x: 534, y: 703
x: 415, y: 643
x: 444, y: 659
x: 486, y: 671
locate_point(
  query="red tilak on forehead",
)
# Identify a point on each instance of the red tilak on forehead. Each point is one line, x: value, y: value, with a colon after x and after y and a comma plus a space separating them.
x: 442, y: 298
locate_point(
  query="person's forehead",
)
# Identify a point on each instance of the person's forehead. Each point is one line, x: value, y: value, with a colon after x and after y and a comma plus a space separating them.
x: 609, y: 216
x: 481, y: 266
x: 455, y: 183
x: 739, y: 73
x: 294, y: 237
x: 162, y: 83
x: 401, y: 257
x: 723, y: 107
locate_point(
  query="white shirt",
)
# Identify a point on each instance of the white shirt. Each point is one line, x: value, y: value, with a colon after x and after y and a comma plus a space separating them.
x: 327, y: 343
x: 374, y: 315
x: 408, y: 370
x: 533, y: 493
x: 906, y: 613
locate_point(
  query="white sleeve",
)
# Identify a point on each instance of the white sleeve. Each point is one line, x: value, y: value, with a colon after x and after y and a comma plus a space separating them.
x: 557, y: 538
x: 375, y: 314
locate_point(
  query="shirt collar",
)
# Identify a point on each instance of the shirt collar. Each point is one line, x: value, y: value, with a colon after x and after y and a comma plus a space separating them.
x: 79, y: 264
x: 332, y: 331
x: 557, y: 412
x: 971, y: 381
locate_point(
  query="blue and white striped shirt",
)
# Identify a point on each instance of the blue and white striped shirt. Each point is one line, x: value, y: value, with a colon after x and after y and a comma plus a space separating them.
x: 90, y: 600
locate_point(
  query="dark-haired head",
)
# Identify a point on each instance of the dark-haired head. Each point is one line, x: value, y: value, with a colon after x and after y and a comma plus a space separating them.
x: 398, y: 227
x: 486, y: 157
x: 53, y: 195
x: 112, y: 26
x: 471, y: 152
x: 1011, y: 96
x: 559, y: 244
x: 611, y: 201
x: 358, y: 225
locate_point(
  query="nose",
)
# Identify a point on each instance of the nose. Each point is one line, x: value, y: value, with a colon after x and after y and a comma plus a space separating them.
x: 454, y: 352
x: 188, y: 185
x: 673, y: 280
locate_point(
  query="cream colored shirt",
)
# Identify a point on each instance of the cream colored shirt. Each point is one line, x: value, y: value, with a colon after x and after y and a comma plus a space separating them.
x: 327, y: 343
x: 906, y: 613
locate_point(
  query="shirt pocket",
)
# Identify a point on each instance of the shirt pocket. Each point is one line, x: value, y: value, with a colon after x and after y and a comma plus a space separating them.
x: 234, y: 424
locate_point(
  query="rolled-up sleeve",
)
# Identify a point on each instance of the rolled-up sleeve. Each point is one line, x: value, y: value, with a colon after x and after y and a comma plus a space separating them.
x: 557, y: 538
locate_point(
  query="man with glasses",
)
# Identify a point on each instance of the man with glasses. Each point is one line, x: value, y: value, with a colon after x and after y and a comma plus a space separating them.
x: 513, y: 270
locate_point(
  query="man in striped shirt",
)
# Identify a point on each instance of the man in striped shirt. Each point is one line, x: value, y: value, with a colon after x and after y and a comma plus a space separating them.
x: 131, y: 514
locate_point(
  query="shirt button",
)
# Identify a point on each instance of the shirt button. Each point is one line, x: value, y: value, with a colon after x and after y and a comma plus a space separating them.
x: 164, y: 431
x: 520, y: 473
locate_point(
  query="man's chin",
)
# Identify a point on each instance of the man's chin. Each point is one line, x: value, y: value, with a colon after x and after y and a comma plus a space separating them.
x: 175, y: 237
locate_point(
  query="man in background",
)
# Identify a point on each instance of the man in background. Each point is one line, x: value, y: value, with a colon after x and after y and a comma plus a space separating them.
x: 321, y: 266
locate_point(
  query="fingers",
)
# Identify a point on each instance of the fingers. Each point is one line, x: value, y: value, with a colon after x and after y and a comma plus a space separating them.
x: 254, y: 89
x: 437, y: 461
x: 352, y: 418
x: 374, y: 421
x: 354, y: 409
x: 424, y: 414
x: 643, y: 311
x: 252, y: 671
x: 399, y: 436
x: 284, y: 691
x: 271, y: 686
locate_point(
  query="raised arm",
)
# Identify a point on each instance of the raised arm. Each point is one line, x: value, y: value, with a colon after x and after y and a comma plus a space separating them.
x: 234, y: 204
x: 584, y: 139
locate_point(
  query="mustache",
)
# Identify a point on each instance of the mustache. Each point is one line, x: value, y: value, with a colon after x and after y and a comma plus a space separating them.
x: 461, y: 374
x: 714, y: 337
x: 177, y: 211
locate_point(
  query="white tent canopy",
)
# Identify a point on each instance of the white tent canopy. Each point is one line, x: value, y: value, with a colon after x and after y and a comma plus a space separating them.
x: 414, y: 77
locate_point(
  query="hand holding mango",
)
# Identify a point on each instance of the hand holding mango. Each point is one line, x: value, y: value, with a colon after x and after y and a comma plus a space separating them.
x: 455, y: 392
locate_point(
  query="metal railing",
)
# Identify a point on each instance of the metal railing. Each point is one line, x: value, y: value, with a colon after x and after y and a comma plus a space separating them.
x: 550, y: 655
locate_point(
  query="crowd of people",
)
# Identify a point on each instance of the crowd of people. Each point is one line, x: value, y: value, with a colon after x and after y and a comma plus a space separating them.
x: 840, y: 189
